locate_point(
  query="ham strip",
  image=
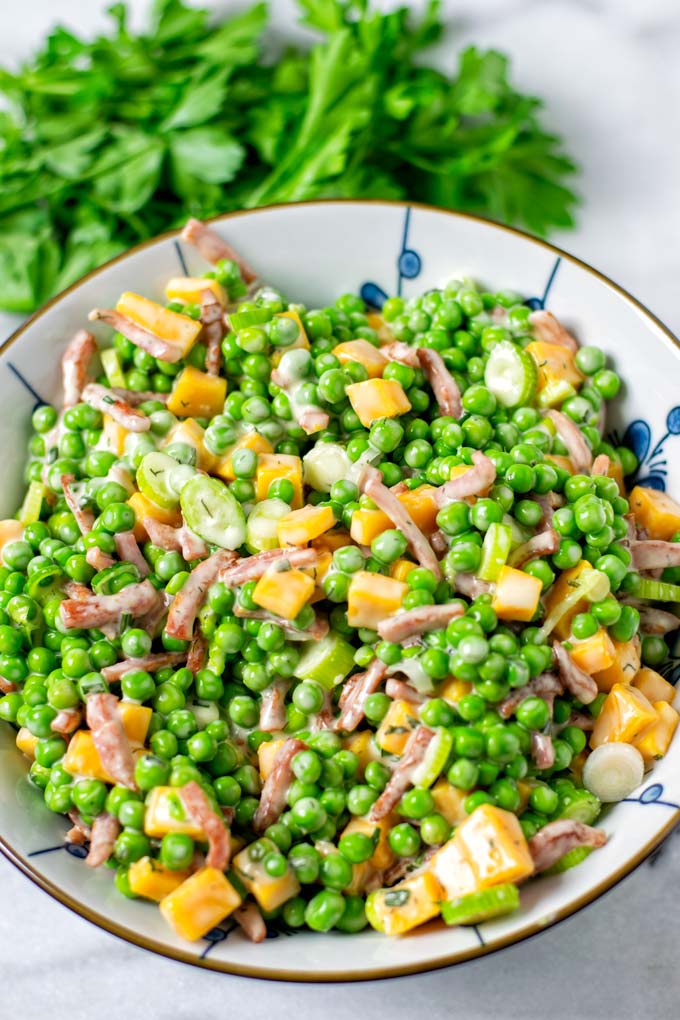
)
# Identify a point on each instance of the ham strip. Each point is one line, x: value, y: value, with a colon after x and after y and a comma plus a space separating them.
x: 137, y: 397
x: 252, y: 568
x: 198, y: 650
x: 199, y: 809
x: 75, y: 363
x: 402, y: 777
x: 401, y: 352
x: 318, y: 629
x: 580, y: 720
x: 545, y: 543
x: 545, y: 685
x: 250, y: 920
x: 128, y: 549
x: 548, y: 329
x: 81, y: 832
x: 354, y: 694
x: 444, y: 386
x: 273, y: 796
x: 324, y: 718
x: 66, y: 721
x: 6, y: 686
x: 84, y: 518
x: 471, y: 586
x: 439, y: 542
x: 655, y: 554
x: 213, y: 248
x: 181, y: 540
x: 309, y: 417
x: 601, y: 465
x: 138, y: 335
x: 98, y: 559
x: 189, y: 599
x: 151, y: 621
x: 105, y: 829
x: 579, y: 452
x: 372, y: 484
x: 212, y: 317
x: 476, y: 481
x: 273, y: 706
x: 106, y: 401
x: 578, y: 683
x: 548, y: 502
x: 148, y: 663
x: 556, y: 839
x: 313, y: 420
x: 399, y: 690
x: 419, y: 621
x: 542, y: 750
x: 98, y: 610
x: 110, y: 739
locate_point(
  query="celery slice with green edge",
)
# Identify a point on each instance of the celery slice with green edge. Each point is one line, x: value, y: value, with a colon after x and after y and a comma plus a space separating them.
x: 32, y: 504
x: 435, y: 759
x: 511, y: 374
x: 481, y: 906
x: 327, y: 661
x: 252, y: 317
x: 581, y: 806
x: 495, y: 551
x: 154, y: 477
x: 112, y: 367
x: 212, y: 512
x: 648, y: 588
x: 592, y: 585
x: 262, y: 525
x: 570, y: 860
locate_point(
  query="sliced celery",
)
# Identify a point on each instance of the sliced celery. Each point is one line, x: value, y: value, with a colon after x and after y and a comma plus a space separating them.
x: 262, y: 525
x: 32, y: 504
x: 592, y: 585
x: 213, y: 512
x: 327, y: 662
x: 647, y: 588
x: 581, y: 806
x: 112, y: 367
x: 254, y: 317
x: 570, y: 860
x: 481, y: 906
x: 435, y: 759
x: 495, y: 551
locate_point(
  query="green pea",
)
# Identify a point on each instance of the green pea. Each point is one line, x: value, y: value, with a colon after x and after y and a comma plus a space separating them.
x: 533, y: 713
x: 543, y: 800
x: 360, y: 799
x: 404, y: 840
x: 627, y: 625
x: 335, y: 872
x: 306, y: 766
x: 151, y: 771
x: 376, y: 707
x: 324, y: 910
x: 416, y: 803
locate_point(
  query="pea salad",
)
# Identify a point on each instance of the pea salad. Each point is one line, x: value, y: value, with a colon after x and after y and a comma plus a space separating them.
x: 332, y: 617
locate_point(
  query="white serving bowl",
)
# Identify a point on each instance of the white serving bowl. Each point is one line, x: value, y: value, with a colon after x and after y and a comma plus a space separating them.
x: 314, y: 252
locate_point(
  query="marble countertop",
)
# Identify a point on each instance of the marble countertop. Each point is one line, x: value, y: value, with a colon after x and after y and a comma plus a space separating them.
x: 609, y: 73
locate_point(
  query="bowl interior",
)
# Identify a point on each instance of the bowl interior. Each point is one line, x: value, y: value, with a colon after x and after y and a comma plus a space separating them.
x: 314, y: 252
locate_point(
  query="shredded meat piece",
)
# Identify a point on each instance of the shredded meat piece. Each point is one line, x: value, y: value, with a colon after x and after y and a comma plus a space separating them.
x: 105, y: 829
x: 556, y: 839
x: 579, y: 452
x: 471, y: 586
x: 655, y: 554
x: 189, y: 599
x: 182, y: 540
x: 75, y: 363
x: 401, y: 352
x: 138, y: 335
x: 444, y: 386
x: 325, y: 717
x: 151, y: 621
x: 601, y: 465
x: 6, y: 686
x: 476, y: 481
x: 148, y: 663
x: 273, y: 706
x: 98, y: 559
x: 249, y: 918
x: 273, y: 796
x: 98, y: 610
x: 544, y: 543
x: 318, y: 629
x: 78, y: 591
x: 84, y: 518
x: 312, y: 420
x: 542, y: 750
x: 578, y: 683
x: 128, y: 549
x: 106, y: 401
x: 137, y: 397
x: 213, y: 248
x: 199, y: 809
x: 419, y: 621
x: 580, y: 720
x: 198, y: 649
x: 81, y: 832
x: 439, y: 542
x: 354, y: 694
x: 212, y: 317
x: 110, y: 739
x: 372, y: 484
x: 548, y: 502
x: 67, y: 720
x: 550, y: 331
x: 545, y: 685
x: 252, y: 568
x: 400, y: 690
x: 402, y: 777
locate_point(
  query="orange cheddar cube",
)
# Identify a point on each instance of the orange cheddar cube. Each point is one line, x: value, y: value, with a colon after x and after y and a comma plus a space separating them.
x: 151, y: 880
x: 594, y: 653
x: 625, y: 714
x: 452, y: 869
x: 554, y: 363
x: 449, y: 801
x: 365, y: 353
x: 654, y: 686
x: 283, y: 592
x: 178, y: 330
x: 143, y: 507
x: 114, y: 435
x: 250, y: 441
x: 197, y: 394
x: 624, y: 667
x: 266, y: 753
x: 517, y: 595
x: 190, y: 289
x: 372, y: 597
x: 199, y: 903
x: 656, y: 512
x: 272, y: 466
x: 494, y: 845
x: 654, y: 741
x: 377, y: 398
x: 302, y: 526
x: 367, y: 525
x: 396, y: 727
x: 406, y: 905
x: 400, y: 569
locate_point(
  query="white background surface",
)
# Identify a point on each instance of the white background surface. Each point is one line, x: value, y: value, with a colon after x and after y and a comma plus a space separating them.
x: 609, y: 72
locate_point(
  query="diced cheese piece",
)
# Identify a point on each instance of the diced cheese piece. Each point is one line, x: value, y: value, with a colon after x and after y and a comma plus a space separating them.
x: 266, y: 753
x: 332, y: 540
x: 554, y: 363
x: 624, y: 715
x: 396, y: 727
x: 448, y: 801
x: 372, y: 358
x: 453, y: 690
x: 372, y: 597
x: 376, y: 322
x: 269, y: 892
x: 563, y: 589
x: 383, y: 855
x: 517, y: 595
x: 594, y: 653
x: 363, y: 745
x: 367, y: 525
x: 623, y: 668
x: 654, y: 741
x: 405, y: 906
x: 144, y: 507
x: 279, y: 465
x: 283, y: 592
x: 166, y: 813
x: 421, y: 504
x: 302, y: 526
x: 114, y: 435
x: 179, y: 330
x: 189, y: 289
x: 150, y: 879
x: 26, y: 742
x: 493, y: 842
x: 400, y: 569
x: 654, y: 686
x: 656, y: 512
x: 377, y: 398
x: 199, y: 903
x: 197, y: 394
x: 191, y: 433
x: 136, y: 720
x: 82, y: 758
x: 560, y: 461
x: 249, y: 441
x: 453, y: 870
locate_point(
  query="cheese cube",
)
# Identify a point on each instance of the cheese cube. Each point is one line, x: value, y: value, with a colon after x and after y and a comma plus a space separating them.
x: 199, y: 903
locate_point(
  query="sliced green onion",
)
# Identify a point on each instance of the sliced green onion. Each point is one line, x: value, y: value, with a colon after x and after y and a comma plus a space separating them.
x: 495, y: 551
